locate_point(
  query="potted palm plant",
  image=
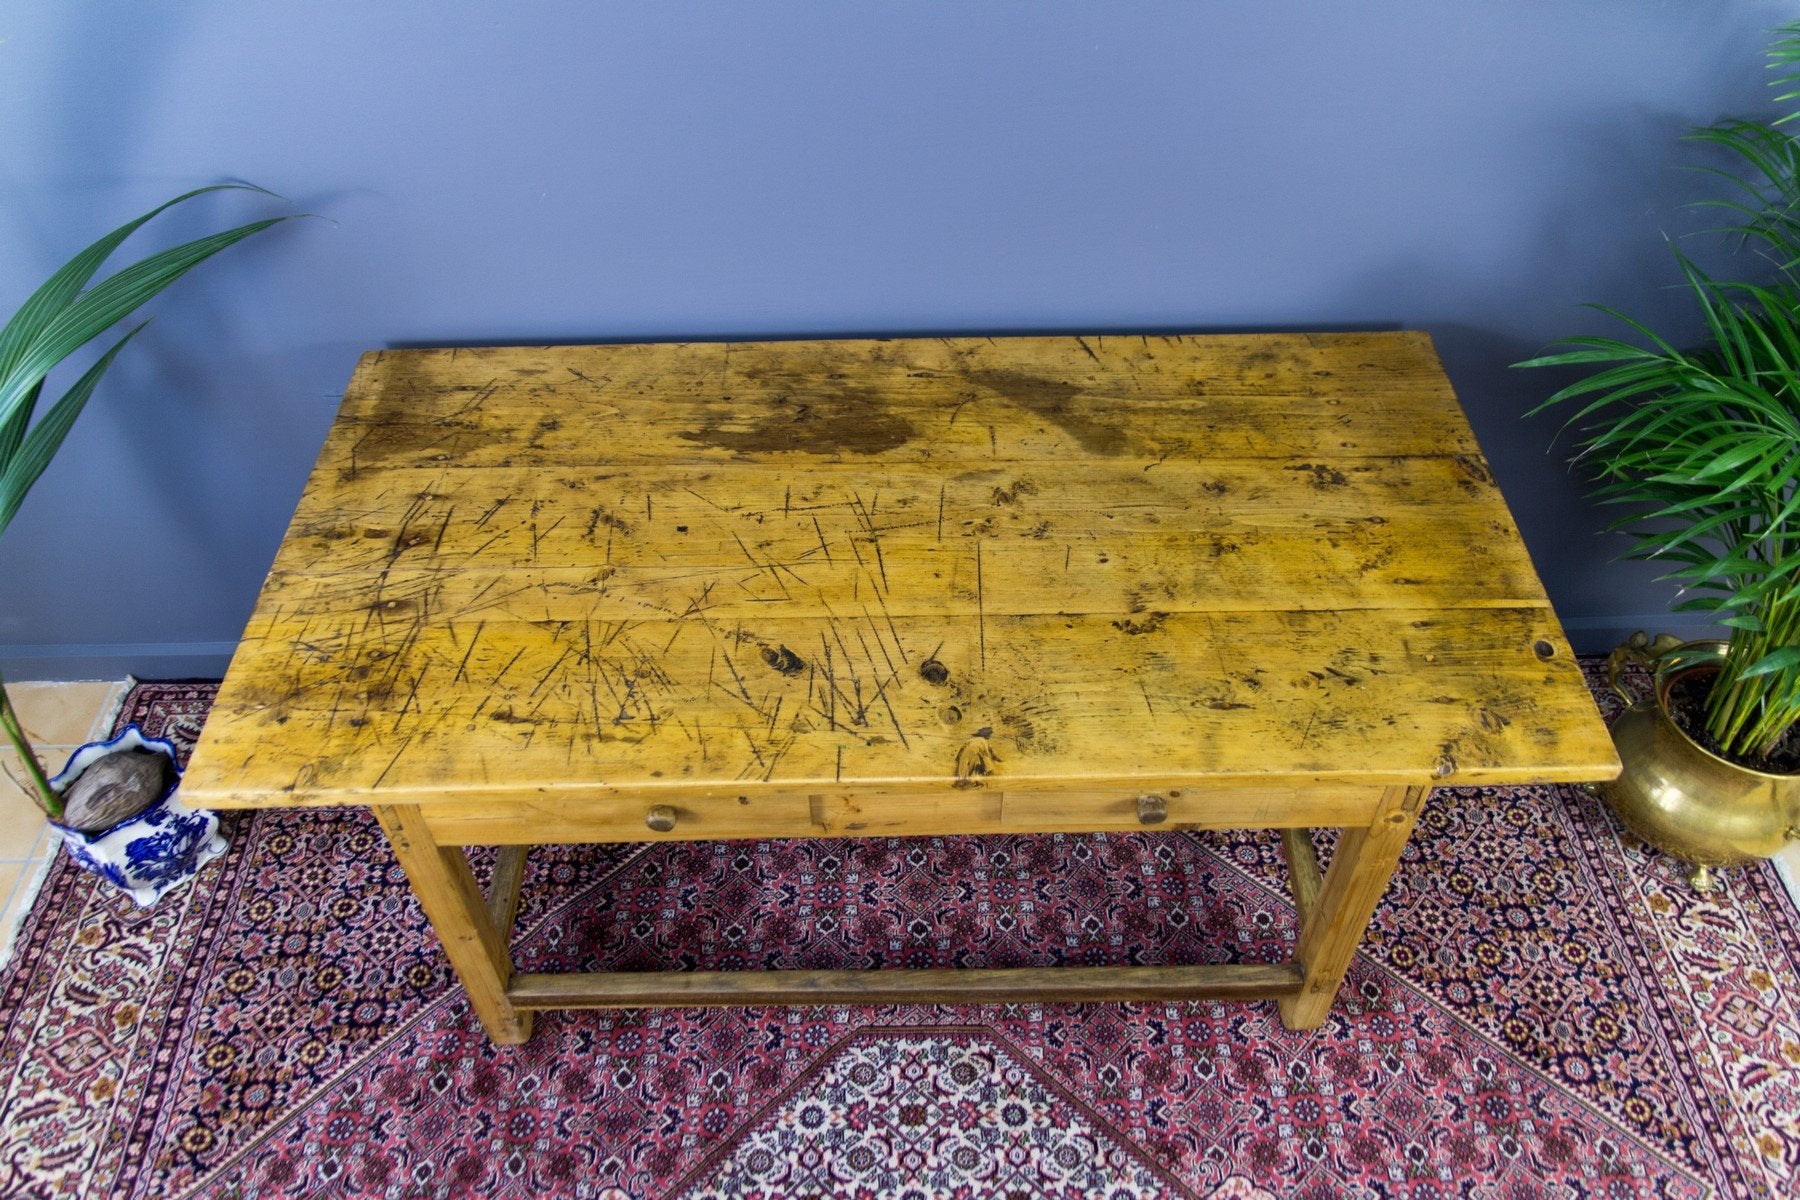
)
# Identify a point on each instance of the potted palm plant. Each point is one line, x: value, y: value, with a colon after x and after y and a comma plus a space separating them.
x: 114, y: 804
x: 1701, y: 448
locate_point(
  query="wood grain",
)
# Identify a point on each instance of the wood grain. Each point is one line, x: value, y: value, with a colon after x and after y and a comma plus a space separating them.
x: 1358, y: 875
x: 1303, y: 867
x: 686, y: 567
x: 878, y: 813
x: 920, y: 400
x: 452, y: 900
x: 683, y: 569
x: 334, y: 710
x: 503, y: 888
x: 881, y: 588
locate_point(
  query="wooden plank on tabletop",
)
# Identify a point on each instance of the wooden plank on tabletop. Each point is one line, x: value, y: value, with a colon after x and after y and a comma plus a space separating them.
x: 471, y: 381
x: 652, y: 382
x: 334, y: 708
x: 780, y: 496
x: 1378, y: 538
x: 903, y: 401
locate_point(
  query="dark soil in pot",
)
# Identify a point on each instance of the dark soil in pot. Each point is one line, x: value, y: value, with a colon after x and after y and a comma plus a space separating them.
x: 1687, y: 707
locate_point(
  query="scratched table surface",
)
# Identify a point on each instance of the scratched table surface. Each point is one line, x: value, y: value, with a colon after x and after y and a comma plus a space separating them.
x: 1019, y: 563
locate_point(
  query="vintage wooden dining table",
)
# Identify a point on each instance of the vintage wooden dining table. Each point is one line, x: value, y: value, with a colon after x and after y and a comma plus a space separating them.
x: 877, y: 588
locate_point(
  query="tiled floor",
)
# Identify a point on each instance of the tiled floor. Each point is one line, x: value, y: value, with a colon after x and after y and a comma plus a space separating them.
x: 57, y: 718
x: 1788, y: 864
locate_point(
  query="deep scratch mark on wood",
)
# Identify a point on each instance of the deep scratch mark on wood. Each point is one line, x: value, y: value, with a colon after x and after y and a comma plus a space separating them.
x: 980, y: 606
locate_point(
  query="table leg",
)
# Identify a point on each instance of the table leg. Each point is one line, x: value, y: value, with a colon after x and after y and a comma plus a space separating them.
x: 503, y: 888
x: 1353, y: 885
x: 454, y: 905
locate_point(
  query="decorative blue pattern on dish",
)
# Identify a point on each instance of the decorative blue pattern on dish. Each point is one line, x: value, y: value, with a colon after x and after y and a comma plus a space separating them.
x: 159, y: 849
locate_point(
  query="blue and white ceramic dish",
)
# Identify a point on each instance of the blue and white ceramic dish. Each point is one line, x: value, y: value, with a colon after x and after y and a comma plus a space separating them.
x: 159, y: 849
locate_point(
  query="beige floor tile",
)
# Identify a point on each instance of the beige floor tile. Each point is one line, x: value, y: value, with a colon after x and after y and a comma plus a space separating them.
x: 1787, y: 864
x: 10, y: 875
x: 21, y: 821
x: 109, y: 710
x: 57, y: 717
x: 19, y: 886
x: 59, y: 714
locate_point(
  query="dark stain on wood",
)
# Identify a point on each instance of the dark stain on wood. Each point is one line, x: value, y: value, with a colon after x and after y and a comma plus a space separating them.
x: 976, y: 759
x: 1050, y: 399
x: 393, y: 429
x: 1323, y: 477
x: 853, y: 420
x: 1150, y: 624
x: 1010, y: 495
x: 783, y: 660
x: 1477, y: 478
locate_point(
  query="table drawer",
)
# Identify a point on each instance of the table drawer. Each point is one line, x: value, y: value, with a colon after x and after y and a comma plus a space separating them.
x: 1087, y: 811
x: 880, y: 813
x: 554, y: 820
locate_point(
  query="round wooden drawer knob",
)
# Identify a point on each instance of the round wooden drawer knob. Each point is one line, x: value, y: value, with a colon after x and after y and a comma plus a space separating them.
x: 1152, y: 810
x: 660, y: 818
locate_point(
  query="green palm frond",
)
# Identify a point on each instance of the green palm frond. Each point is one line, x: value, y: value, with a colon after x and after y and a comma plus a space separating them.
x: 1701, y: 448
x: 58, y: 321
x: 64, y: 314
x: 54, y: 296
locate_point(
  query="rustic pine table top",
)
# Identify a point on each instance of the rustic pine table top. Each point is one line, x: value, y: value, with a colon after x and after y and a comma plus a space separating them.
x: 1028, y: 564
x: 972, y: 585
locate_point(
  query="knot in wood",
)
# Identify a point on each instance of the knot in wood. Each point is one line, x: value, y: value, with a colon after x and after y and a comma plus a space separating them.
x: 976, y: 758
x: 783, y: 660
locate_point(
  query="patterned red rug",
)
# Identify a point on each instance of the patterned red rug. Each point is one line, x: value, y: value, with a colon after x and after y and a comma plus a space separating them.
x: 1541, y: 1010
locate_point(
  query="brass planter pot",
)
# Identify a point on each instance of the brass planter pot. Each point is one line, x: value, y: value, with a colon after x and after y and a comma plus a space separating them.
x: 1679, y: 797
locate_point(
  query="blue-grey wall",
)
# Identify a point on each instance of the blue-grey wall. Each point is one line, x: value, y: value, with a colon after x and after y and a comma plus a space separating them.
x: 590, y: 169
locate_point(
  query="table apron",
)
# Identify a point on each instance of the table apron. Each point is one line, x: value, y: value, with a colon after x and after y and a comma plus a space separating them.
x: 572, y: 820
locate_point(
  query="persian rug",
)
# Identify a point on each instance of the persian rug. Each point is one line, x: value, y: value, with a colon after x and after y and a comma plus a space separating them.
x: 1543, y: 1008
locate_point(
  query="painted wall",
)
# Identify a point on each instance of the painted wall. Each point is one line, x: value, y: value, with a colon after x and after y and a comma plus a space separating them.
x: 589, y: 169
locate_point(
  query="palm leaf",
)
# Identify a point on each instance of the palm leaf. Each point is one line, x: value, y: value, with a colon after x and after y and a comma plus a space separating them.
x: 107, y: 303
x: 41, y: 443
x: 64, y: 314
x: 55, y: 294
x: 104, y: 304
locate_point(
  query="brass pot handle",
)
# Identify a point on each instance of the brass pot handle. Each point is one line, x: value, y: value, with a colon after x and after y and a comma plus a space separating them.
x: 1640, y: 649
